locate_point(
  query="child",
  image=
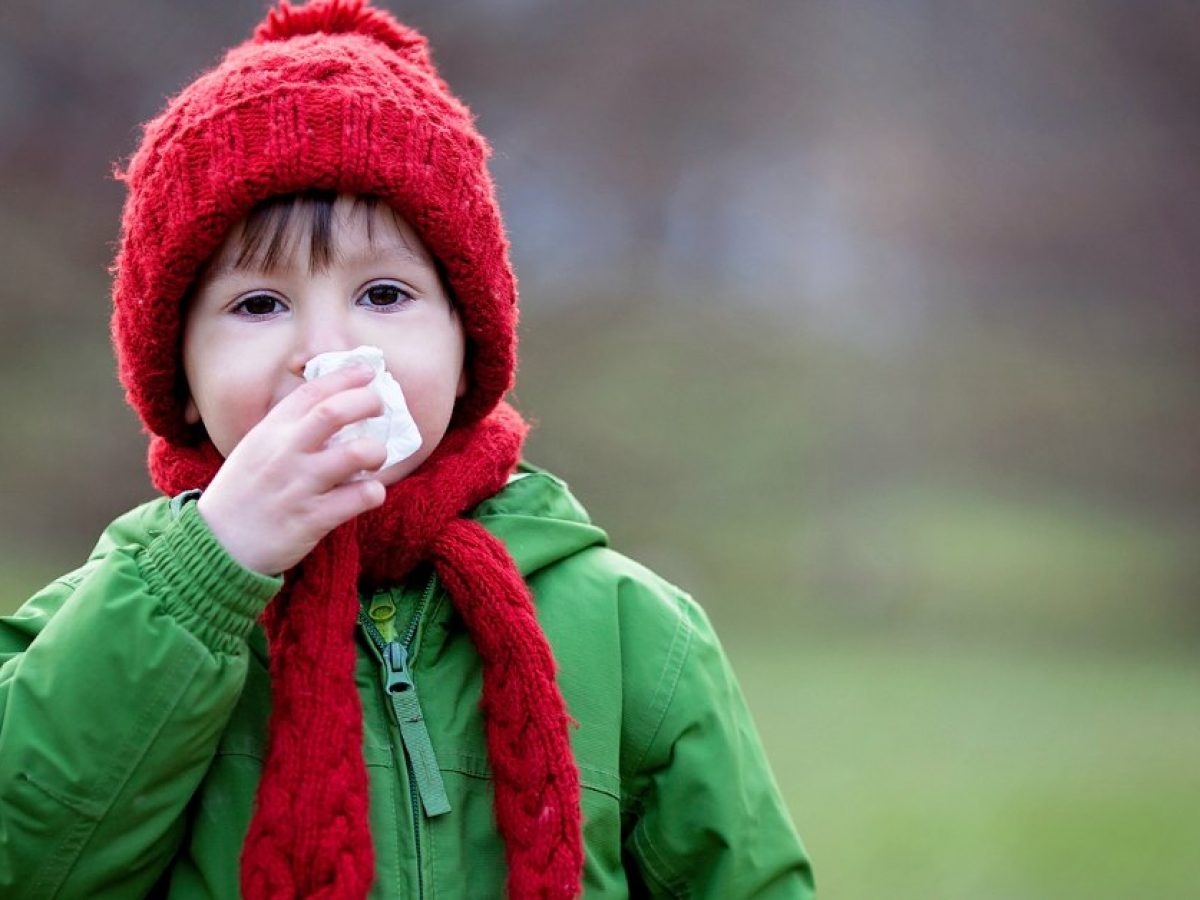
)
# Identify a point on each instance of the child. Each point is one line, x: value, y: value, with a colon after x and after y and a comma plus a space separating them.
x: 302, y: 672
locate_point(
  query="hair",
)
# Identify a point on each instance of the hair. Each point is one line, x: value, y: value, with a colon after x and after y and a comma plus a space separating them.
x: 267, y: 231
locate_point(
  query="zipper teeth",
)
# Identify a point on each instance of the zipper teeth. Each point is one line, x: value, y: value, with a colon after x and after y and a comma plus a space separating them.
x: 409, y: 634
x: 411, y: 631
x: 372, y: 632
x: 377, y: 639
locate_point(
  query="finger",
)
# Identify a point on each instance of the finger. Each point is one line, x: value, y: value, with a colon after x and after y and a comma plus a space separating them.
x: 332, y: 414
x: 309, y: 394
x: 348, y: 500
x: 335, y: 465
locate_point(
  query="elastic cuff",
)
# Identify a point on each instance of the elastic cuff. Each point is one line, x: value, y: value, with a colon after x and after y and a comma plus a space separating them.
x: 208, y: 591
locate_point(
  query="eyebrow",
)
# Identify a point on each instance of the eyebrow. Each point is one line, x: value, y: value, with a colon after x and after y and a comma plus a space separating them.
x: 377, y: 253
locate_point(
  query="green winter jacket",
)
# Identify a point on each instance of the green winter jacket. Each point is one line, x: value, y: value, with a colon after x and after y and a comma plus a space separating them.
x: 134, y: 696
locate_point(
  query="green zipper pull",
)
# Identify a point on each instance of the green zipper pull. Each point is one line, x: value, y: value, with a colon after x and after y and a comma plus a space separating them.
x: 403, y: 694
x: 398, y: 679
x: 382, y: 612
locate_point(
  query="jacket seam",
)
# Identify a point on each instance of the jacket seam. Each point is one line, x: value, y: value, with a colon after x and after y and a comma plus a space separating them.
x: 664, y: 693
x: 77, y: 839
x: 480, y: 776
x: 431, y: 882
x: 477, y: 766
x: 653, y: 859
x: 72, y: 580
x: 69, y: 847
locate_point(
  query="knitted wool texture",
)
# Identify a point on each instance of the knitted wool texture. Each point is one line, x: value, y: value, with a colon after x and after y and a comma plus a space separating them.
x: 338, y: 96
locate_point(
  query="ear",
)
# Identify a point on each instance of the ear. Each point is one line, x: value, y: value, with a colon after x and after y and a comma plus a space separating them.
x: 191, y: 413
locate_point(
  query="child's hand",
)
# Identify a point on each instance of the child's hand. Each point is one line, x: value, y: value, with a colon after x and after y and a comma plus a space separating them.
x: 281, y: 490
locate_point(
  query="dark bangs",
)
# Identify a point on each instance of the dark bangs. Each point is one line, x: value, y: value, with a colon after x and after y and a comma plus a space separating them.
x: 273, y: 229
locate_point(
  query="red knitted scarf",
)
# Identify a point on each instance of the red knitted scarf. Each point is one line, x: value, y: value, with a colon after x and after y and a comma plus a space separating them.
x: 309, y: 836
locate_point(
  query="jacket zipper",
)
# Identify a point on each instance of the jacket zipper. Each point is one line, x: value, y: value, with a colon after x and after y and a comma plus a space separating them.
x: 423, y: 771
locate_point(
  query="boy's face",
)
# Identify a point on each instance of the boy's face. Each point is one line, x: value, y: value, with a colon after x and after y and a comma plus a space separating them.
x: 248, y: 333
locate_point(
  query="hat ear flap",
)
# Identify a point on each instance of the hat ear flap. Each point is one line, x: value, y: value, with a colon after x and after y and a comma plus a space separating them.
x: 344, y: 17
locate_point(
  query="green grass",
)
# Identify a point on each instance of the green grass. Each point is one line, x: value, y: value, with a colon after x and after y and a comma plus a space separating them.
x: 922, y: 769
x: 973, y: 557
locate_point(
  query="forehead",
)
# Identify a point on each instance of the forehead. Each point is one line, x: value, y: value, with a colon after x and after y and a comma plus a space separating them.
x: 316, y: 231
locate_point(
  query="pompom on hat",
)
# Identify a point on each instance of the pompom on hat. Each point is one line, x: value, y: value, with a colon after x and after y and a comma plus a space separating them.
x: 337, y: 96
x: 334, y: 95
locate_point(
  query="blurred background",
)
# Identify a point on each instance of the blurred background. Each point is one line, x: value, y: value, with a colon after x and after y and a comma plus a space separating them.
x: 874, y: 325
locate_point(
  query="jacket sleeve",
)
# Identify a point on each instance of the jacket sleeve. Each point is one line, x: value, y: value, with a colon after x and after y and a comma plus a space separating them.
x: 115, y: 685
x: 710, y: 820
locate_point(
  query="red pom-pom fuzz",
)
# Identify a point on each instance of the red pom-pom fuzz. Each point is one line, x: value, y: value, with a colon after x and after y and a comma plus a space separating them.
x: 343, y: 17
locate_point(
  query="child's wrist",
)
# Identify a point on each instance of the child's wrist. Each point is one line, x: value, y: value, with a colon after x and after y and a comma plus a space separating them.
x: 221, y: 533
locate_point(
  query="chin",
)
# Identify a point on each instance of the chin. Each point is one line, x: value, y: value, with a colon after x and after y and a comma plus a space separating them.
x: 399, y: 471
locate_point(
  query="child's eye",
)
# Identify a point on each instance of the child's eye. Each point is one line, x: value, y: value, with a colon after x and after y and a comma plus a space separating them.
x: 257, y: 305
x: 386, y: 295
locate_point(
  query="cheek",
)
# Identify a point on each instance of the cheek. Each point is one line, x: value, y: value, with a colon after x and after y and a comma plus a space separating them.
x: 231, y: 399
x: 429, y: 394
x: 429, y: 371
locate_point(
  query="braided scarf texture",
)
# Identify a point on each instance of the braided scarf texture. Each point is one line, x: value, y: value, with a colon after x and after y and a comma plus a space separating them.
x: 309, y: 836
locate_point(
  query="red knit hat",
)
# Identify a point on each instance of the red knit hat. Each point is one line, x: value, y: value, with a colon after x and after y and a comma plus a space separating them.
x: 337, y: 96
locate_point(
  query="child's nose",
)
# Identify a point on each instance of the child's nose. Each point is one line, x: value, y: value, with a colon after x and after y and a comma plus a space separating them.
x: 319, y: 332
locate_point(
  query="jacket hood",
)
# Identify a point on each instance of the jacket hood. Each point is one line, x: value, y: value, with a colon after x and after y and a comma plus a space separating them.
x: 538, y: 519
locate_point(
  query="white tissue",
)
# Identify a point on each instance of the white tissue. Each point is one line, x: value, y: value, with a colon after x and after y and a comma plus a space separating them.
x: 395, y: 427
